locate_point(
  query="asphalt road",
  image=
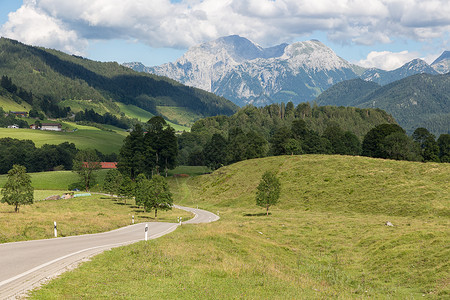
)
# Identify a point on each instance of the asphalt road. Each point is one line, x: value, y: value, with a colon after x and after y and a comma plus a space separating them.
x: 26, y: 265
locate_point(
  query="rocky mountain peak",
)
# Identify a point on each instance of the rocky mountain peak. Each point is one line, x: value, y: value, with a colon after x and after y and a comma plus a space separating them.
x: 442, y: 63
x: 313, y: 55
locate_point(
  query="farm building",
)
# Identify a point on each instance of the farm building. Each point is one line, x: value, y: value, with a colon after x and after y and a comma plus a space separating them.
x: 103, y: 165
x: 47, y: 126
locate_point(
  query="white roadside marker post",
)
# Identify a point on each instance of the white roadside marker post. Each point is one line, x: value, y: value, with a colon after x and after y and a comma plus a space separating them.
x: 146, y: 231
x: 181, y: 218
x: 54, y: 227
x: 132, y: 219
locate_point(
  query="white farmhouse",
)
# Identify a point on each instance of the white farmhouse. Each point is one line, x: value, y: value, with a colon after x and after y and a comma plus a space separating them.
x: 51, y: 126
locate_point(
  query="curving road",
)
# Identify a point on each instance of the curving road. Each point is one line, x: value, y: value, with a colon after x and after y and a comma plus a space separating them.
x: 25, y: 265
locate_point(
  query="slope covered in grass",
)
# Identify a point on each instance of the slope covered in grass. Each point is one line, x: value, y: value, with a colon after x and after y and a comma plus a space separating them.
x: 10, y: 105
x: 337, y: 184
x: 91, y: 137
x: 326, y: 238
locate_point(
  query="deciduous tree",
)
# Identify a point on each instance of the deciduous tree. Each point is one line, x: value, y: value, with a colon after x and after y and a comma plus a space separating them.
x: 268, y: 191
x: 154, y: 194
x: 18, y: 190
x: 113, y: 180
x: 85, y: 164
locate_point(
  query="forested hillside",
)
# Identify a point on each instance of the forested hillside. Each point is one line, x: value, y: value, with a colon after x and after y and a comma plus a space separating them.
x: 347, y: 92
x: 59, y: 77
x: 417, y: 101
x: 278, y: 129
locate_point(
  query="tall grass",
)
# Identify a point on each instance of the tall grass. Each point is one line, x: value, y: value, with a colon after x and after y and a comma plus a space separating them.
x: 326, y: 238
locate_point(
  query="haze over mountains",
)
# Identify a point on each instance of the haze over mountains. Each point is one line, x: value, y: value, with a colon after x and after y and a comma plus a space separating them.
x: 246, y: 73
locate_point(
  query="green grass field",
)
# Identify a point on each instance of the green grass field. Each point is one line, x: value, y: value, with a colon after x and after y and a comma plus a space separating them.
x: 181, y: 115
x: 133, y: 111
x: 104, y: 141
x: 326, y: 238
x: 81, y: 105
x: 9, y: 104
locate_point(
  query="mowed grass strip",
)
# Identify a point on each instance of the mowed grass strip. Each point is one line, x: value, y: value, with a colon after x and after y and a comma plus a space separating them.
x: 326, y: 238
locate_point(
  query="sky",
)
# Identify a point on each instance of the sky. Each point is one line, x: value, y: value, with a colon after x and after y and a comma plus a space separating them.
x: 371, y: 33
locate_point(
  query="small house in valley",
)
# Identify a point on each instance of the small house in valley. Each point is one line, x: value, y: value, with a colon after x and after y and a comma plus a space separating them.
x: 51, y: 126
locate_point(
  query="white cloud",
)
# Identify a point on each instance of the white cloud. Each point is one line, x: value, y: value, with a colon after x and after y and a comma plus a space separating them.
x: 31, y: 26
x: 387, y: 60
x: 161, y: 23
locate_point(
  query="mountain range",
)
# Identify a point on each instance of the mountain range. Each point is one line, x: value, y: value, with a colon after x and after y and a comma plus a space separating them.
x: 80, y: 83
x: 246, y: 73
x: 421, y: 100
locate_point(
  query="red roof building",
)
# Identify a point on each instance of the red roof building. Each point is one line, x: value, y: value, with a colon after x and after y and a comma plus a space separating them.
x: 104, y: 165
x: 109, y: 165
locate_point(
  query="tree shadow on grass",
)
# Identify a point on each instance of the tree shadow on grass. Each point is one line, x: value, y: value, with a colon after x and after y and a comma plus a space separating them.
x: 257, y: 215
x: 121, y: 203
x: 146, y: 217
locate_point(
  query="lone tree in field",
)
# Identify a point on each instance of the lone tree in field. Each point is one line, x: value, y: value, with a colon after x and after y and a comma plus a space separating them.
x: 18, y: 190
x: 268, y: 191
x: 85, y: 163
x: 154, y: 194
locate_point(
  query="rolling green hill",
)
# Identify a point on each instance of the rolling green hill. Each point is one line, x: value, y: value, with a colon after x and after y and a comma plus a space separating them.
x: 85, y: 137
x: 326, y: 238
x: 63, y: 77
x: 417, y: 101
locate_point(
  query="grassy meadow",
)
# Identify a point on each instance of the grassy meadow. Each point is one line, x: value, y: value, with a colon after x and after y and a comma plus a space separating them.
x: 142, y: 115
x: 81, y: 215
x: 180, y: 114
x: 90, y: 137
x: 91, y: 214
x: 57, y: 180
x: 326, y: 238
x: 8, y: 104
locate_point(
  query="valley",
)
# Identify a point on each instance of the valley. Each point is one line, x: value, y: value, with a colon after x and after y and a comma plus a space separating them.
x: 330, y: 235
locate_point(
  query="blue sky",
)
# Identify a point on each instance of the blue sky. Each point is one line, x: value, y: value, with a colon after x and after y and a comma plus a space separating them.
x: 372, y: 33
